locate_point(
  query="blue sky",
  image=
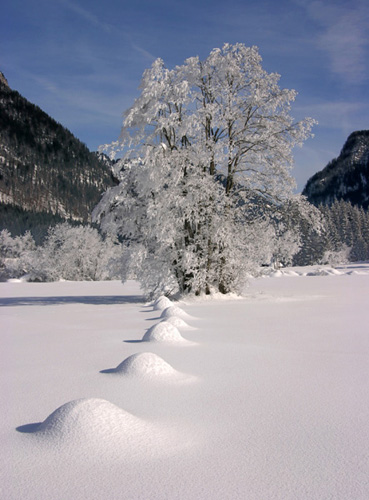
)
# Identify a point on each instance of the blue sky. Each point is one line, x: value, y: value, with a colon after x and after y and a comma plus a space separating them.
x: 82, y: 61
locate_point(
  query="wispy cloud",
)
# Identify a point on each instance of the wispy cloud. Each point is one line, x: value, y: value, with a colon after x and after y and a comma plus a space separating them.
x: 343, y: 36
x: 97, y: 22
x: 345, y: 116
x: 87, y: 15
x: 147, y: 55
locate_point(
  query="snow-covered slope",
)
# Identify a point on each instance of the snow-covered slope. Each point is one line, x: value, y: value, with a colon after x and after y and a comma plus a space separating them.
x: 275, y: 404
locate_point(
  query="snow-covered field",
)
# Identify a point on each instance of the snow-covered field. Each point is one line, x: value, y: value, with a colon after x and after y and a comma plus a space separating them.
x: 263, y: 397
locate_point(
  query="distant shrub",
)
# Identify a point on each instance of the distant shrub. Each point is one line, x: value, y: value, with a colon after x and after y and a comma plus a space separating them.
x: 15, y: 254
x: 77, y: 253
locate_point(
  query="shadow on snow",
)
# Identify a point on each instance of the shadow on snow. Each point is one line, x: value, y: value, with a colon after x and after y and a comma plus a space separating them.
x: 29, y: 428
x: 91, y: 300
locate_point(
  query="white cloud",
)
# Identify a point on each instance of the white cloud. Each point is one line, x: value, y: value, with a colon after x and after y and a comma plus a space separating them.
x: 343, y: 36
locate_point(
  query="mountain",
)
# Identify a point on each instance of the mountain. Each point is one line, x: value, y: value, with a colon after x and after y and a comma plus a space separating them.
x: 346, y: 177
x: 44, y: 169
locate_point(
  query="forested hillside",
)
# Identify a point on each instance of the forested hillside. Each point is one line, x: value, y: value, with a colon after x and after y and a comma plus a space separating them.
x: 44, y: 169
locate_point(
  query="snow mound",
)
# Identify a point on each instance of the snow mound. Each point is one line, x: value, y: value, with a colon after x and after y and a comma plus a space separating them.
x: 277, y: 274
x: 174, y: 311
x: 162, y: 303
x: 91, y: 420
x: 163, y: 332
x: 323, y: 271
x: 333, y: 272
x: 95, y: 429
x: 318, y: 272
x: 146, y: 364
x: 178, y: 322
x: 291, y: 273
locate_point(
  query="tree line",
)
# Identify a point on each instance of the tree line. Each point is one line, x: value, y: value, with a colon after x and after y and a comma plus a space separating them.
x: 300, y: 234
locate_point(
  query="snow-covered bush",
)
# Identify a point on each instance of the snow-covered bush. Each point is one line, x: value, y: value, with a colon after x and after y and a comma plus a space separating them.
x: 73, y: 253
x: 285, y: 245
x: 15, y: 254
x: 68, y: 252
x: 200, y: 143
x: 336, y: 257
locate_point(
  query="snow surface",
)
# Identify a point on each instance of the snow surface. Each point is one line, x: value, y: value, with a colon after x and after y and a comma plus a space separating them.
x: 277, y: 407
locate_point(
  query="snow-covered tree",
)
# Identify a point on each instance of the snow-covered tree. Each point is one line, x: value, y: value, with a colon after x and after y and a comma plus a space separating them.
x: 199, y: 144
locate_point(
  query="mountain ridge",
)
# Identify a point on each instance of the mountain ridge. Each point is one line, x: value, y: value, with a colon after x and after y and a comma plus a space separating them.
x: 345, y: 177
